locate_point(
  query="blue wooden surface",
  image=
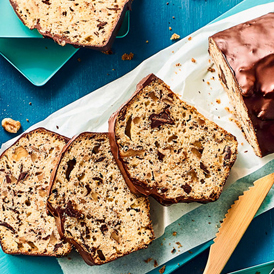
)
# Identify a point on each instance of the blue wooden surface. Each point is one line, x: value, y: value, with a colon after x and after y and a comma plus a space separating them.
x: 89, y: 70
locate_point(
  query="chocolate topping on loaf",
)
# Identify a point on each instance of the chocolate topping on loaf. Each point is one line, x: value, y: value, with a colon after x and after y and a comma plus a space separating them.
x: 166, y: 149
x: 93, y: 205
x: 25, y: 170
x: 246, y: 66
x: 86, y: 23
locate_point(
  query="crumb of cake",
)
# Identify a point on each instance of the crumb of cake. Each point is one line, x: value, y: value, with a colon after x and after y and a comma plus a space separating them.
x: 167, y: 3
x: 148, y: 260
x: 147, y: 41
x: 69, y: 258
x: 211, y: 69
x: 108, y: 52
x: 245, y: 151
x: 242, y: 144
x: 212, y: 78
x: 155, y: 263
x: 161, y: 243
x: 179, y: 244
x: 173, y: 51
x: 228, y: 109
x: 174, y: 233
x: 27, y: 120
x: 30, y: 103
x: 113, y: 69
x: 209, y: 223
x: 208, y: 83
x: 193, y: 220
x: 11, y: 125
x: 189, y: 38
x: 190, y: 252
x: 173, y: 250
x: 57, y: 127
x: 79, y: 60
x: 175, y: 36
x: 162, y: 269
x: 173, y: 17
x: 193, y: 60
x: 178, y: 65
x: 127, y: 56
x: 218, y: 101
x: 170, y: 28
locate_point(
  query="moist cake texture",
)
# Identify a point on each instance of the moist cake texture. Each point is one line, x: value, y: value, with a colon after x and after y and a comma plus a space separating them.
x: 168, y: 150
x: 86, y: 23
x: 93, y: 205
x: 244, y: 56
x: 25, y: 170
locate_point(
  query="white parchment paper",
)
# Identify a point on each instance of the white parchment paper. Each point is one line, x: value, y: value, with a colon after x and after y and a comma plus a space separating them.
x: 191, y: 79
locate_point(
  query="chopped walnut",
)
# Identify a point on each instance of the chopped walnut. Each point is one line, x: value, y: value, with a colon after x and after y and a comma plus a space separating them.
x: 175, y: 36
x: 148, y: 260
x: 174, y: 233
x: 162, y: 269
x: 193, y: 60
x: 127, y: 56
x: 189, y: 38
x: 11, y: 125
x: 218, y: 101
x: 178, y: 65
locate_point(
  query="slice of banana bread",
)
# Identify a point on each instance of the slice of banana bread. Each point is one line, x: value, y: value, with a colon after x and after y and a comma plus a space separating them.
x: 244, y: 57
x: 168, y: 150
x: 94, y: 208
x: 86, y: 23
x: 25, y: 170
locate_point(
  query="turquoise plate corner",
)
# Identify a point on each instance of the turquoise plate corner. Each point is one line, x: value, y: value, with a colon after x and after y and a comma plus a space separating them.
x: 37, y: 59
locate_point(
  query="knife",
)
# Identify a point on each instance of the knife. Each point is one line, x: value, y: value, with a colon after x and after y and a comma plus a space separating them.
x: 235, y: 223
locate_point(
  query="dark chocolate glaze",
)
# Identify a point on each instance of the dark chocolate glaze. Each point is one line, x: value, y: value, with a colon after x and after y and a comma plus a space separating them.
x: 135, y: 186
x: 59, y: 38
x: 249, y: 51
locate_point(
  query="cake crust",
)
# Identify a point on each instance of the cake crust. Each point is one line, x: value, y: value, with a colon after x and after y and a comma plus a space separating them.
x: 129, y: 154
x: 67, y: 30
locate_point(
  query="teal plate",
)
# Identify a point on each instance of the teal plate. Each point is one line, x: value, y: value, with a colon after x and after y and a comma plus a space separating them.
x: 37, y: 59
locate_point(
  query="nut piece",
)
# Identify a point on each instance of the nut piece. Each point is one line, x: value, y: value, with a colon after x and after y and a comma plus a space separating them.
x: 10, y: 125
x: 175, y: 36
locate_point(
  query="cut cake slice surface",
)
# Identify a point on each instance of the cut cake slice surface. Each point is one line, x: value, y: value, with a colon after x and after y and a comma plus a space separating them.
x: 93, y: 205
x: 168, y: 150
x: 244, y: 57
x: 25, y: 170
x: 86, y: 23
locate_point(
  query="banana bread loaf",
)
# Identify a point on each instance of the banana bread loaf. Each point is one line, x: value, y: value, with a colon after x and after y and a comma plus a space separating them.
x: 25, y: 170
x: 93, y: 205
x: 86, y: 23
x: 244, y: 57
x: 168, y: 150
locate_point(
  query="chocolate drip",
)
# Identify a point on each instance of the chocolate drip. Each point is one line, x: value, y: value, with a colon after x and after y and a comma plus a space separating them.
x: 249, y: 50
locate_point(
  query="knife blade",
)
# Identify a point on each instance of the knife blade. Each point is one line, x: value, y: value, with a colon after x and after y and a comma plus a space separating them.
x: 235, y: 223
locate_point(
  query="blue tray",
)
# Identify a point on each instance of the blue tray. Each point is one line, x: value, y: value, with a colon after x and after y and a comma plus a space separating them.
x: 37, y: 59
